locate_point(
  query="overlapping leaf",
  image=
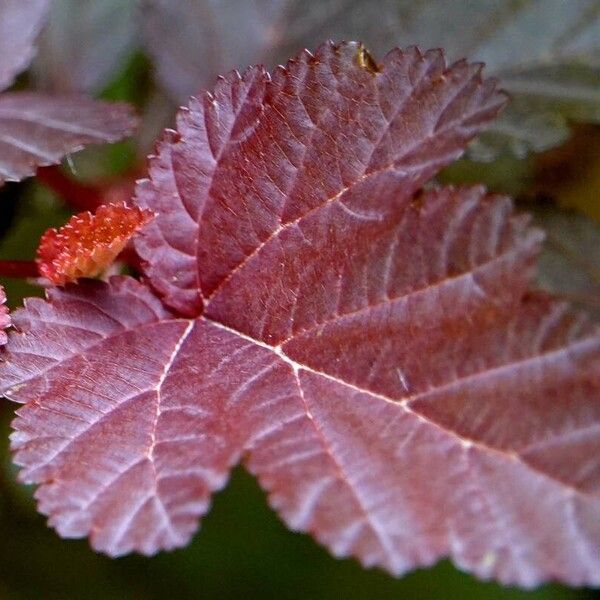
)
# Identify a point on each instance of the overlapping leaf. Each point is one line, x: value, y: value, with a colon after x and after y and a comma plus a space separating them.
x: 371, y: 353
x: 545, y: 51
x: 36, y: 129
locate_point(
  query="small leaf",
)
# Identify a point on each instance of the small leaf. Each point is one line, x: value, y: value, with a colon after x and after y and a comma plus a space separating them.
x: 570, y: 175
x: 88, y: 244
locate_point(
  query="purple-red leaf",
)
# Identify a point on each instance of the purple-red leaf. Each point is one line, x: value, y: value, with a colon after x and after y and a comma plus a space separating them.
x: 253, y: 159
x: 20, y: 23
x: 369, y: 351
x: 38, y: 130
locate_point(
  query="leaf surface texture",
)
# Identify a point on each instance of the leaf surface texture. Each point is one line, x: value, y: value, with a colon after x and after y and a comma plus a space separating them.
x: 368, y: 348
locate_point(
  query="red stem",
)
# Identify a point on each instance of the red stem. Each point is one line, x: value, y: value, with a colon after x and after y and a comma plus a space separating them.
x: 77, y: 195
x: 18, y: 269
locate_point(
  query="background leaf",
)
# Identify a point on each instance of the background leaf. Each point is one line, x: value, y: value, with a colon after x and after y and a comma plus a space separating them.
x: 38, y: 130
x: 19, y: 26
x: 544, y: 51
x: 569, y: 265
x: 84, y: 43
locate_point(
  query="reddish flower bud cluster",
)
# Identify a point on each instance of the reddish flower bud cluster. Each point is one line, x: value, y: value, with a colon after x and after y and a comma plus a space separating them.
x: 88, y: 243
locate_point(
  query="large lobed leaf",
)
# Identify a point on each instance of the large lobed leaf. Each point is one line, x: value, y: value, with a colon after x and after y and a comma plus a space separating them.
x: 544, y: 51
x: 371, y: 352
x: 37, y: 129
